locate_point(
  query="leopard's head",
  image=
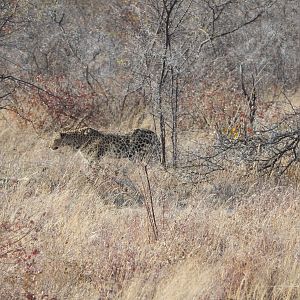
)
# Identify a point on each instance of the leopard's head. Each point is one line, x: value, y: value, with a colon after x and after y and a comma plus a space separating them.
x: 74, y: 139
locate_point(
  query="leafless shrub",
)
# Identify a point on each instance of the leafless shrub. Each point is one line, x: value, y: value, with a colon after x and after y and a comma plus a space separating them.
x: 270, y: 151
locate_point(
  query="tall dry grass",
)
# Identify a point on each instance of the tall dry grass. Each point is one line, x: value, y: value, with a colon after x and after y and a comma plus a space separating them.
x: 66, y: 234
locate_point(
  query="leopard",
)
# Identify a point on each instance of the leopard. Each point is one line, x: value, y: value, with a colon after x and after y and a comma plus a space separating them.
x: 139, y: 145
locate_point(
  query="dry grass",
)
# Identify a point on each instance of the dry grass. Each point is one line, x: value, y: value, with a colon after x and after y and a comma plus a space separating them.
x: 63, y: 237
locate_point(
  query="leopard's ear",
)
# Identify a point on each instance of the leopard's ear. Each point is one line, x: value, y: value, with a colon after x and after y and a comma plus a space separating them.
x: 87, y: 131
x: 62, y: 134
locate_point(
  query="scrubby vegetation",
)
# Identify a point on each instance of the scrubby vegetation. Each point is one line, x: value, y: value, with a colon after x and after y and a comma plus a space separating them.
x: 219, y: 83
